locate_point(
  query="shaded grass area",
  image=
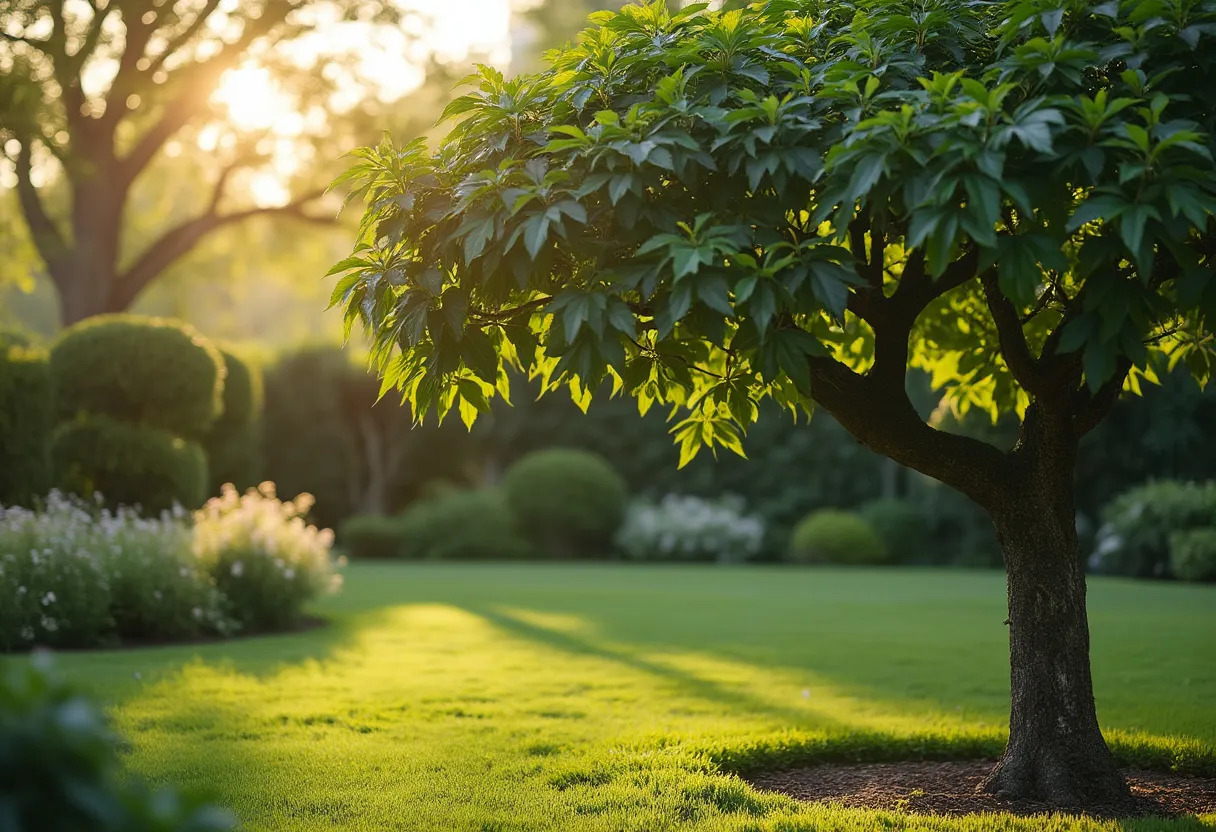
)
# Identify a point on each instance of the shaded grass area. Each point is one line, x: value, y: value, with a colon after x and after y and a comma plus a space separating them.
x: 567, y: 697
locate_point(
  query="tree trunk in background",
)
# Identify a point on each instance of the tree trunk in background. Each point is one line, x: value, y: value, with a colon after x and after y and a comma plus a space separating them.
x: 1056, y: 753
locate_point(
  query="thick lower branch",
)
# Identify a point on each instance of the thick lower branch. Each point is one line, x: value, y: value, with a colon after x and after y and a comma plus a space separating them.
x: 880, y: 416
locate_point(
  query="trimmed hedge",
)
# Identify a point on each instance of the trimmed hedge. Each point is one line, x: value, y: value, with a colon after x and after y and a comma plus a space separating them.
x: 462, y: 525
x: 146, y: 371
x: 371, y: 537
x: 833, y: 536
x: 128, y: 464
x: 901, y: 526
x: 26, y: 418
x: 569, y: 503
x: 1135, y: 538
x: 234, y: 441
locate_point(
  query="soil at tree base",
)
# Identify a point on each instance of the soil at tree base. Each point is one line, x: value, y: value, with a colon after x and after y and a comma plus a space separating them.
x: 933, y: 788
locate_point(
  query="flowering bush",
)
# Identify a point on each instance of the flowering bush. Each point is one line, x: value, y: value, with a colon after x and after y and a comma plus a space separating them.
x: 264, y: 558
x: 81, y: 575
x: 690, y: 528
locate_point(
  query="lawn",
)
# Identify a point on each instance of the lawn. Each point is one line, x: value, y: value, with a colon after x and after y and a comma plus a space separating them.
x: 600, y: 697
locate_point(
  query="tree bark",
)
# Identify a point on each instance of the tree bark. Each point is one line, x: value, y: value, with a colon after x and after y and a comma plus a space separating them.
x: 1056, y: 753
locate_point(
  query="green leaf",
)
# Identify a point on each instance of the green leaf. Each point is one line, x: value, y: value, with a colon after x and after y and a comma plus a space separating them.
x: 479, y: 354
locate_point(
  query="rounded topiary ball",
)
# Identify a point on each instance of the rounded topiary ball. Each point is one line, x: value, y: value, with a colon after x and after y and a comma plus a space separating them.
x: 131, y: 465
x: 901, y: 526
x: 147, y: 371
x: 832, y: 536
x: 26, y: 419
x: 569, y: 503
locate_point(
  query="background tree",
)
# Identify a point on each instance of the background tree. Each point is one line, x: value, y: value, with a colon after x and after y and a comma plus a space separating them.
x: 93, y: 92
x: 798, y: 202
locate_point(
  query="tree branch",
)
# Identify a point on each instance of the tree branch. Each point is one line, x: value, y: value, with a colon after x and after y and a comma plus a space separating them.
x: 1014, y: 349
x: 46, y: 235
x: 882, y: 418
x: 180, y: 239
x: 1093, y: 407
x: 197, y: 83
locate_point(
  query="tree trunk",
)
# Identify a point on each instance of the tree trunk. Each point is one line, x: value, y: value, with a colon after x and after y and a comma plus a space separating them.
x: 1056, y: 753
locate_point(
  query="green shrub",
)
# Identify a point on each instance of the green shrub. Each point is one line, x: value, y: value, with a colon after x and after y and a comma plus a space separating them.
x: 371, y: 536
x: 832, y: 536
x: 903, y: 529
x: 26, y: 419
x: 132, y: 465
x: 234, y: 442
x: 264, y: 558
x: 60, y: 769
x: 146, y: 371
x: 1193, y: 554
x: 569, y: 503
x: 684, y: 528
x: 1134, y: 539
x: 461, y: 525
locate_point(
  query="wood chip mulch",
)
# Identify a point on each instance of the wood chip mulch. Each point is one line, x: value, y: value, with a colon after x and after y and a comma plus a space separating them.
x: 949, y: 789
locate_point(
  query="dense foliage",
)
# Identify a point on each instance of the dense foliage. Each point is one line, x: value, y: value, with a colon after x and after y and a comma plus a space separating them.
x: 354, y: 453
x: 1193, y: 554
x: 26, y: 418
x: 461, y: 525
x: 233, y: 442
x: 60, y: 768
x: 1134, y: 539
x: 130, y: 464
x: 686, y: 528
x: 144, y: 371
x: 568, y: 502
x: 902, y: 528
x: 712, y: 209
x: 832, y: 536
x: 371, y: 536
x: 263, y: 557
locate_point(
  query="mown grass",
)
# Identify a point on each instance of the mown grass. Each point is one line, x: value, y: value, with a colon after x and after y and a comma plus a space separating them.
x: 535, y: 697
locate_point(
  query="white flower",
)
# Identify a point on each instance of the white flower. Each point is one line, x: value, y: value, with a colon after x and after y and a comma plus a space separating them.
x: 289, y: 574
x: 237, y: 569
x: 49, y: 624
x: 48, y: 599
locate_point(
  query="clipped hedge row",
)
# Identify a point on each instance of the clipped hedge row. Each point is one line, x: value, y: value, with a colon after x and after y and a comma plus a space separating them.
x: 26, y: 418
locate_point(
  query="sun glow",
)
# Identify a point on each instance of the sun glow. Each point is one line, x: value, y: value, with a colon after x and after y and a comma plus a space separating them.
x: 255, y: 102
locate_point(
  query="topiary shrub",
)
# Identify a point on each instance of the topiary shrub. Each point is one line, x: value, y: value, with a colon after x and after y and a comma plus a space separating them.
x: 902, y: 528
x: 461, y: 525
x: 233, y: 442
x: 1193, y: 554
x: 26, y: 419
x: 371, y: 537
x: 1134, y: 539
x: 569, y: 503
x: 146, y: 371
x: 60, y: 769
x: 132, y: 465
x: 833, y: 536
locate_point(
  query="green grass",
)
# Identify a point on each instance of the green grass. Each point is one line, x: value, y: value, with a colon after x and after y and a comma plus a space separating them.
x: 534, y: 697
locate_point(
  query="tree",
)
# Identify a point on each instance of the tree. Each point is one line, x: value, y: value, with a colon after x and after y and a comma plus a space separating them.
x: 801, y: 200
x: 92, y: 92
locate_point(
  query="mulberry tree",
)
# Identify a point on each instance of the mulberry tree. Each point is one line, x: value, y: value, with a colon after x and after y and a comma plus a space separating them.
x: 802, y: 200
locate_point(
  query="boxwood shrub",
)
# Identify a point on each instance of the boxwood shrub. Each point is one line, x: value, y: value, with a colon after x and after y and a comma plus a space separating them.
x: 145, y: 371
x: 903, y: 529
x: 461, y: 525
x: 26, y: 419
x: 128, y: 464
x: 833, y: 536
x: 568, y: 503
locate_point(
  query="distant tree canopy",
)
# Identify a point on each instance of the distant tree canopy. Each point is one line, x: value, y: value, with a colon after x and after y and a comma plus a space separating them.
x: 800, y: 200
x: 93, y: 91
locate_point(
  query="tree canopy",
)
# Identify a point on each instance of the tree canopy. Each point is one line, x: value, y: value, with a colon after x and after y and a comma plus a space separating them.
x: 799, y: 200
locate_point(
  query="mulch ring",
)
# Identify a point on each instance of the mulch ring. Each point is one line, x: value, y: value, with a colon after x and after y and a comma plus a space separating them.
x: 949, y: 789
